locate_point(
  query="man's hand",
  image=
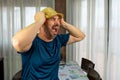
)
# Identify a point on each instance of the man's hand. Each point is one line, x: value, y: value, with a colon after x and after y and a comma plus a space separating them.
x: 75, y: 33
x: 40, y: 16
x: 63, y: 23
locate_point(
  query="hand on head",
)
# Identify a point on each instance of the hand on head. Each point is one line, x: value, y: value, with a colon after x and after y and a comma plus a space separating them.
x: 40, y: 16
x: 62, y: 22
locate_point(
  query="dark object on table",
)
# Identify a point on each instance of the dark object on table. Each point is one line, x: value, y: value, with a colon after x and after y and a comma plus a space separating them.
x: 86, y: 64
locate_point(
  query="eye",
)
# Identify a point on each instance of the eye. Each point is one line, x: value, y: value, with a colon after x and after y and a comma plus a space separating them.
x: 53, y: 19
x: 59, y: 19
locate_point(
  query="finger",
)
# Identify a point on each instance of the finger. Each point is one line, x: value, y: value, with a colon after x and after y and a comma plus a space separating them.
x: 38, y: 16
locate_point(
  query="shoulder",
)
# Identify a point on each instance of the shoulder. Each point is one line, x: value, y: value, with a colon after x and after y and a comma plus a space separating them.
x: 63, y: 35
x: 63, y: 38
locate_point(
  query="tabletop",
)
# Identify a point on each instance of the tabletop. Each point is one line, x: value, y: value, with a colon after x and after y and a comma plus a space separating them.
x: 71, y: 71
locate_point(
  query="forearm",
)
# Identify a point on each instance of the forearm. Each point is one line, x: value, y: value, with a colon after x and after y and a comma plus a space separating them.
x: 22, y: 41
x: 74, y: 31
x: 26, y: 35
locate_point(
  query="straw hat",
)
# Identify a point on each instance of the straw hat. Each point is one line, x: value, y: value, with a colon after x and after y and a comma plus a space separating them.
x: 49, y: 12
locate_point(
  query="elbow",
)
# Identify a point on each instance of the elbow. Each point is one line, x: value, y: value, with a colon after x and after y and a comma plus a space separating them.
x: 81, y: 37
x: 16, y: 44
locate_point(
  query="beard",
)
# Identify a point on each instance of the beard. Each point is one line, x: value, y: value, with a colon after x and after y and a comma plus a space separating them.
x: 51, y: 31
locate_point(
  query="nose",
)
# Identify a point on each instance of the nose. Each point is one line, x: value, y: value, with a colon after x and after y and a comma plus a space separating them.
x: 57, y: 22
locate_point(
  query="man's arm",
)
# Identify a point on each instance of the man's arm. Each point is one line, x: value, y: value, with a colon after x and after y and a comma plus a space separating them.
x: 75, y: 33
x: 22, y: 40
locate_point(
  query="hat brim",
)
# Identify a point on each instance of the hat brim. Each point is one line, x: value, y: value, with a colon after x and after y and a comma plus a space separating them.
x: 58, y: 14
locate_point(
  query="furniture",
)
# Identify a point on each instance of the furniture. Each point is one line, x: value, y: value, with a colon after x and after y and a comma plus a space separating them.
x: 1, y: 69
x: 17, y: 76
x: 70, y: 71
x: 86, y: 64
x: 93, y: 74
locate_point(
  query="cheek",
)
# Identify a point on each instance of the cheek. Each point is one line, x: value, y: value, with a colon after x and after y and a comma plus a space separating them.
x: 59, y: 23
x: 51, y: 23
x: 48, y: 26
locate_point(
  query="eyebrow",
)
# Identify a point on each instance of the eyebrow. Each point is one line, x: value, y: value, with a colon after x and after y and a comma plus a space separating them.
x: 55, y: 18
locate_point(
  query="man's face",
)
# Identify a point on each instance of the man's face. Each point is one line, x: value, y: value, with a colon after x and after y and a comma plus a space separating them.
x: 52, y: 26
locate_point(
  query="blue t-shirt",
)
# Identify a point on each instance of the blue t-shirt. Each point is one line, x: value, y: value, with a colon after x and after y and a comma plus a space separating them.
x: 41, y: 62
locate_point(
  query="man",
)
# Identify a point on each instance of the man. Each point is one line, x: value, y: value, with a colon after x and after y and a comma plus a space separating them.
x: 40, y: 43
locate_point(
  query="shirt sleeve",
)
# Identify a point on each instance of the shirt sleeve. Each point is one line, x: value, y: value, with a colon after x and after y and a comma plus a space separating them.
x: 63, y: 39
x: 34, y: 43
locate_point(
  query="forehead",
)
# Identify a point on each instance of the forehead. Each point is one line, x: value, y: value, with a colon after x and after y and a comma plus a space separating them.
x: 56, y: 17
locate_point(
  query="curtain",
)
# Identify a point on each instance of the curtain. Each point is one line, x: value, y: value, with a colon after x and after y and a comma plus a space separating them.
x: 113, y: 65
x: 15, y: 15
x: 99, y: 20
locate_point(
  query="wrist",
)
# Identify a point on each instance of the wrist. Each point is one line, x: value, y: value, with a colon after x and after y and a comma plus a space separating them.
x: 65, y: 25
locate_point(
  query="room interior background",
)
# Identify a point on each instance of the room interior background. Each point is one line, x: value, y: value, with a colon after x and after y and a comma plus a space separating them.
x: 98, y: 19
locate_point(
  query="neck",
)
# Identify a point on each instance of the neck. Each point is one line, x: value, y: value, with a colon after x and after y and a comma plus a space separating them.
x: 42, y: 35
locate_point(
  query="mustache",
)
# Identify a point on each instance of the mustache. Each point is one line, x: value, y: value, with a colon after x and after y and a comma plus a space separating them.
x: 56, y: 25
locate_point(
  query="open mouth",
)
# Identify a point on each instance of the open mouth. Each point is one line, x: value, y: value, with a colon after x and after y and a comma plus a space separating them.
x: 55, y: 30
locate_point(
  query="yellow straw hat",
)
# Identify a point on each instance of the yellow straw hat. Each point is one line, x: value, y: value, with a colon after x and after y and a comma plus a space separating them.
x: 49, y: 12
